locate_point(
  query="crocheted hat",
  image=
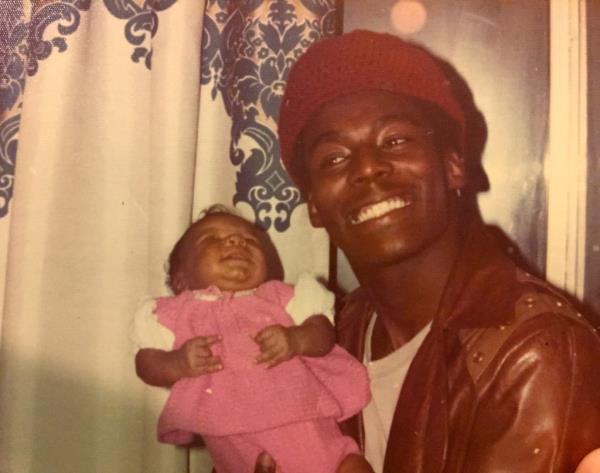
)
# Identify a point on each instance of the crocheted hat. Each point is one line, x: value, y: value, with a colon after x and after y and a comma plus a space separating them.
x: 355, y: 62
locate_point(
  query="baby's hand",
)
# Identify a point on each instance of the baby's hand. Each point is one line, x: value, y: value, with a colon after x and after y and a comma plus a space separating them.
x: 196, y: 358
x: 277, y: 344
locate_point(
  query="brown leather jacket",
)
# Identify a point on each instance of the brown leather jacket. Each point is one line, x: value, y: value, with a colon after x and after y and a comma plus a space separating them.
x: 508, y: 379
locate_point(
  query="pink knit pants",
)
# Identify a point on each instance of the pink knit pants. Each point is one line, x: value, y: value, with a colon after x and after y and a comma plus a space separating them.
x: 316, y: 446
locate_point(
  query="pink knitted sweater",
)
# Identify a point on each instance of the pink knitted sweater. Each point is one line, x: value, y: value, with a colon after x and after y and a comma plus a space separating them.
x: 245, y: 397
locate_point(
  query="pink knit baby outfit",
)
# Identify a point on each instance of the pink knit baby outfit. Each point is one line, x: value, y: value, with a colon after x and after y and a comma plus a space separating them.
x: 290, y: 411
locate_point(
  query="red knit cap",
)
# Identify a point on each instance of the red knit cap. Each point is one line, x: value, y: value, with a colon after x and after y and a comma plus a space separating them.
x: 355, y: 62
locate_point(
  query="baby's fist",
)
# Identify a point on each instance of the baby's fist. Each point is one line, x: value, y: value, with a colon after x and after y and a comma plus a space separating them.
x: 196, y: 358
x: 277, y: 344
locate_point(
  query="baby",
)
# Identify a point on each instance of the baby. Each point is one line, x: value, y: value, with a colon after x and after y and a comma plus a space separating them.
x: 243, y: 374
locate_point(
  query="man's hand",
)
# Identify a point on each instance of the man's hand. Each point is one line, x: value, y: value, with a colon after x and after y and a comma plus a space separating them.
x: 195, y: 356
x: 590, y: 464
x: 277, y: 344
x: 265, y: 464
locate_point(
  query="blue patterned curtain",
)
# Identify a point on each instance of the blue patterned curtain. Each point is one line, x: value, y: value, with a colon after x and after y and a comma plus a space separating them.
x: 248, y: 50
x: 27, y: 38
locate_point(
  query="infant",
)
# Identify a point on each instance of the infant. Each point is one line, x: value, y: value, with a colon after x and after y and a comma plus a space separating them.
x: 243, y: 374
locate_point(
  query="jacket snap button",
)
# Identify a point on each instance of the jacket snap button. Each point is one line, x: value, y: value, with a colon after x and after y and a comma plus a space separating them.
x: 478, y: 357
x: 529, y: 301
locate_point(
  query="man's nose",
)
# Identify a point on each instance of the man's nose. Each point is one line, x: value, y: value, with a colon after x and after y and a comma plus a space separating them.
x: 368, y: 165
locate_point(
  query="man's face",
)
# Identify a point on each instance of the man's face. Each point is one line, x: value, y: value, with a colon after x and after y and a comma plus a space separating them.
x: 225, y: 251
x: 377, y: 181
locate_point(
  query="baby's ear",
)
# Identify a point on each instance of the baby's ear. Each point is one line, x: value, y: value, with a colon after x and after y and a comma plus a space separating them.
x: 178, y: 283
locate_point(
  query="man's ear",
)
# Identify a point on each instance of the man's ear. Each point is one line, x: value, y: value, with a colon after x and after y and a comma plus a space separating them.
x: 313, y: 213
x: 178, y: 282
x: 455, y: 170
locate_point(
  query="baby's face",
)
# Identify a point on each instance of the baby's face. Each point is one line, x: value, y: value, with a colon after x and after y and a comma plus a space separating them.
x: 225, y: 251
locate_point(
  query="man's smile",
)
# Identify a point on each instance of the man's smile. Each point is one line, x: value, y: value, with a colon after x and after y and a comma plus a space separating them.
x: 379, y: 209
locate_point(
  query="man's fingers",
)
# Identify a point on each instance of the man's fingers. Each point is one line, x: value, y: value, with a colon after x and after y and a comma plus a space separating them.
x: 265, y: 464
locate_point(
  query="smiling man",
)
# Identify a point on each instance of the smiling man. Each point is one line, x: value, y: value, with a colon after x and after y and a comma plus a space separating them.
x: 475, y: 365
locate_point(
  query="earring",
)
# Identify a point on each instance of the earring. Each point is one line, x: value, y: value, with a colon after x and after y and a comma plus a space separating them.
x: 458, y: 193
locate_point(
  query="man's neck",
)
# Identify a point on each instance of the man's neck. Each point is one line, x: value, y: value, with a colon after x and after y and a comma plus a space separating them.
x: 407, y: 294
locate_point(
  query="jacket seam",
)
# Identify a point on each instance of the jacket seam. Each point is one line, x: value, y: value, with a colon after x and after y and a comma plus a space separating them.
x: 510, y: 334
x: 472, y: 417
x: 494, y: 364
x: 569, y: 407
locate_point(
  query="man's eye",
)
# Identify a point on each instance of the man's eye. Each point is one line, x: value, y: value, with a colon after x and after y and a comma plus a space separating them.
x: 328, y: 156
x: 333, y: 159
x: 394, y: 142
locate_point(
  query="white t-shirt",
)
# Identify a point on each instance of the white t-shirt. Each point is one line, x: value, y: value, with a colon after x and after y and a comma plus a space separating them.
x: 386, y: 378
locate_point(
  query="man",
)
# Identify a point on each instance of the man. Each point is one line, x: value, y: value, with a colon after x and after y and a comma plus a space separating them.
x: 475, y: 365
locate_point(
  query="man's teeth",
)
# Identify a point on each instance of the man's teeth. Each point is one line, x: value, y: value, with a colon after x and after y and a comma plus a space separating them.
x: 379, y: 209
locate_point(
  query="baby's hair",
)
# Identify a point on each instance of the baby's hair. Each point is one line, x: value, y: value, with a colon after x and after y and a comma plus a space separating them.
x: 175, y: 257
x: 217, y: 209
